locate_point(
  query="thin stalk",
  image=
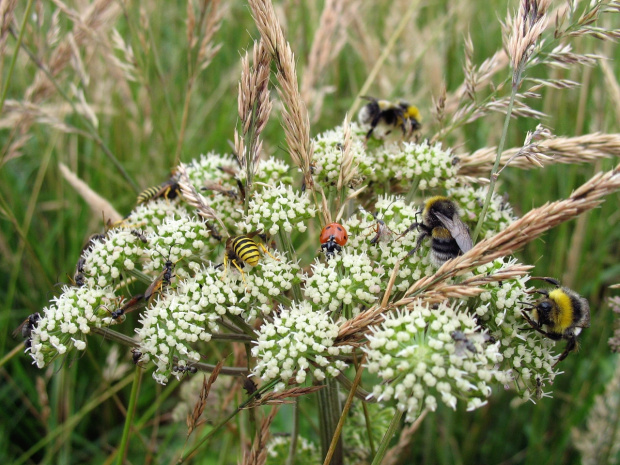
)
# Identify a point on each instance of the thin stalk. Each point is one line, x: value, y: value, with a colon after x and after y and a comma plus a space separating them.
x: 131, y: 410
x: 127, y: 341
x: 343, y: 415
x: 500, y: 148
x: 241, y: 324
x: 16, y: 350
x: 20, y: 37
x: 89, y: 126
x: 71, y: 422
x: 329, y: 413
x: 188, y: 96
x: 292, y: 450
x: 189, y: 454
x: 387, y: 437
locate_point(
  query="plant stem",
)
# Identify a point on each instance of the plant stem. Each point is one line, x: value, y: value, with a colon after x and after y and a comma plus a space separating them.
x: 329, y: 414
x: 131, y: 410
x: 292, y: 450
x: 20, y: 37
x: 500, y: 148
x: 343, y: 415
x: 387, y: 437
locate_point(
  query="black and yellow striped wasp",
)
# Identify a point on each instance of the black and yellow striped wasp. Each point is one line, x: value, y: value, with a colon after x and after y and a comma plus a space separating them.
x: 168, y: 190
x: 241, y: 250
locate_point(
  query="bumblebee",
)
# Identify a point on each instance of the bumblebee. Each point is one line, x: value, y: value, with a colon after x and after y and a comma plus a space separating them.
x: 243, y: 249
x: 388, y: 116
x: 168, y: 190
x: 441, y: 222
x: 562, y: 311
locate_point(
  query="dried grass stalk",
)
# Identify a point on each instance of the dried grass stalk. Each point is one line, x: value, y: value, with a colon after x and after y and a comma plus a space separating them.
x: 278, y: 398
x: 347, y: 170
x: 295, y: 115
x: 524, y: 230
x: 195, y: 198
x: 393, y: 455
x: 527, y: 27
x: 568, y: 150
x: 258, y: 454
x: 193, y: 419
x: 97, y: 204
x: 328, y: 41
x: 254, y: 107
x: 88, y: 25
x: 7, y: 8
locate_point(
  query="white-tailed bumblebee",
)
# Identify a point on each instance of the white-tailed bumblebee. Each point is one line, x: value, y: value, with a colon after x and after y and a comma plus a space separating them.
x: 563, y: 313
x: 441, y: 222
x: 384, y: 116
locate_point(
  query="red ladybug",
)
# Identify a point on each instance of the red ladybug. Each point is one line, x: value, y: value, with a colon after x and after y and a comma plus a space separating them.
x: 333, y: 237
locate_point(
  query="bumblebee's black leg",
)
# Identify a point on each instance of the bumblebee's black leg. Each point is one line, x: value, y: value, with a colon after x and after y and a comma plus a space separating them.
x: 373, y: 125
x: 544, y: 292
x: 553, y: 281
x: 411, y: 228
x: 418, y: 244
x: 570, y: 346
x: 534, y: 325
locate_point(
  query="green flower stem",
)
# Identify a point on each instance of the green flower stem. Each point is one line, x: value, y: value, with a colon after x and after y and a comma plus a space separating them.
x: 140, y: 276
x: 387, y: 437
x: 285, y: 242
x: 127, y: 341
x: 329, y: 414
x: 241, y: 324
x: 131, y: 410
x: 292, y: 450
x: 500, y: 148
x: 336, y: 437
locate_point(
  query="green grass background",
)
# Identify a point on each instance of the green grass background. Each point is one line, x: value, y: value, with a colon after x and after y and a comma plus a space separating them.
x: 44, y: 223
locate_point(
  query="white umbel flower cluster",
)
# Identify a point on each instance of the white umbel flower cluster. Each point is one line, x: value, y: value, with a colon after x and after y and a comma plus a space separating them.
x: 147, y: 217
x: 422, y: 165
x: 426, y: 354
x: 348, y: 279
x: 328, y: 157
x: 168, y: 329
x: 107, y: 258
x: 65, y: 323
x: 298, y: 342
x: 278, y: 208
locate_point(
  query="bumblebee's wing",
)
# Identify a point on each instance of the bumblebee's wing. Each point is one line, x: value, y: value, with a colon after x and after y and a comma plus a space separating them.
x: 458, y: 230
x: 585, y: 319
x: 368, y: 97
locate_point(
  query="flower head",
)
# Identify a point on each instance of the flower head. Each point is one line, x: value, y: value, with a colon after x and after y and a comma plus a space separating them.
x: 426, y: 354
x: 298, y: 342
